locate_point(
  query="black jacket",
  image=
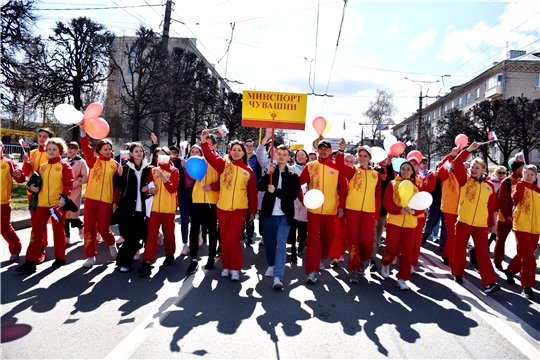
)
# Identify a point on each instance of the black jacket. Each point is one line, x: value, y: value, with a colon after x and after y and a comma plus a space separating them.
x: 127, y: 184
x: 290, y: 187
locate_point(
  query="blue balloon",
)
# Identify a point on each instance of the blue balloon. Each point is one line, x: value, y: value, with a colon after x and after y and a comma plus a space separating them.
x: 397, y: 162
x: 196, y: 167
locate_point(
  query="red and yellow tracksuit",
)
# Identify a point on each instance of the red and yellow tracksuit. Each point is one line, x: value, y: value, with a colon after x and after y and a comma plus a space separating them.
x: 99, y: 198
x: 505, y: 211
x: 477, y: 203
x: 37, y: 157
x: 361, y: 209
x: 7, y: 167
x: 163, y: 212
x: 400, y: 229
x: 449, y: 206
x: 324, y: 176
x: 238, y: 193
x: 526, y: 226
x: 57, y: 179
x: 423, y: 184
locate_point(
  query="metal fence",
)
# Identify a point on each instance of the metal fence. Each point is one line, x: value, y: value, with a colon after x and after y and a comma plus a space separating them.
x: 15, y: 151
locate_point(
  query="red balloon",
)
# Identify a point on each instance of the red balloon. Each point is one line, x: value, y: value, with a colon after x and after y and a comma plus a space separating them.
x: 397, y: 149
x: 319, y: 123
x: 415, y: 155
x: 96, y: 128
x: 93, y: 111
x: 461, y: 141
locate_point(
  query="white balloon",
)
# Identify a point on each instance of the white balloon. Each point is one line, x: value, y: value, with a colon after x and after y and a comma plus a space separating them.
x: 66, y: 114
x: 389, y: 141
x: 378, y: 154
x: 313, y: 199
x: 421, y: 201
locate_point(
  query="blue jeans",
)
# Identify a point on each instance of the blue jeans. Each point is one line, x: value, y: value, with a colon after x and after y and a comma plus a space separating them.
x: 435, y: 215
x: 275, y: 233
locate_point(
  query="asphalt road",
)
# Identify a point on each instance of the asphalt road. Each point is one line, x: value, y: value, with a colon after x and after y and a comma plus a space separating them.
x: 73, y: 312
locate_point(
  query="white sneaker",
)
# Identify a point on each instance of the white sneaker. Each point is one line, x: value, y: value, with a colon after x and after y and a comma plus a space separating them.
x: 277, y: 283
x: 91, y: 261
x: 402, y: 285
x: 113, y: 251
x: 81, y: 233
x: 160, y: 239
x: 185, y: 250
x: 200, y: 239
x: 312, y: 278
x: 385, y: 271
x: 269, y: 272
x: 124, y: 269
x: 137, y: 256
x: 98, y: 238
x: 120, y: 240
x: 321, y: 265
x: 68, y: 241
x: 225, y: 273
x: 235, y: 275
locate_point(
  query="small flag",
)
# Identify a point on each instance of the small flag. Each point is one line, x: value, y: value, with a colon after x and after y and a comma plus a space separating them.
x: 408, y: 143
x: 23, y: 143
x: 492, y: 137
x: 56, y: 215
x: 183, y: 148
x: 222, y: 130
x: 447, y: 165
x: 344, y: 125
x: 520, y: 157
x: 124, y: 154
x: 382, y: 127
x: 304, y: 188
x: 163, y: 159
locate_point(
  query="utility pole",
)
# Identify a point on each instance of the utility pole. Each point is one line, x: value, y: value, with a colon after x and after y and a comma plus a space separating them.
x: 421, y: 84
x: 165, y: 45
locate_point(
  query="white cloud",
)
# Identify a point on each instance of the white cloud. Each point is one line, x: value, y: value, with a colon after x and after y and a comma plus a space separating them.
x: 449, y: 27
x: 393, y: 29
x: 422, y: 40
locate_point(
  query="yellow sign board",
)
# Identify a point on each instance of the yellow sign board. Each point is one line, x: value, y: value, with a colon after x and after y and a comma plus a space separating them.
x: 274, y: 110
x: 5, y: 131
x: 297, y: 146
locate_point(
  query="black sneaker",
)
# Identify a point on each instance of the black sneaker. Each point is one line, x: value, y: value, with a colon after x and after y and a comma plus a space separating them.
x: 445, y: 261
x: 491, y: 288
x: 27, y: 267
x: 528, y: 293
x: 294, y: 259
x: 57, y: 263
x: 372, y: 266
x: 458, y: 279
x: 424, y: 238
x: 509, y: 277
x: 249, y: 240
x: 193, y: 267
x: 145, y: 268
x: 169, y: 260
x: 499, y: 266
x: 210, y: 264
x: 472, y: 257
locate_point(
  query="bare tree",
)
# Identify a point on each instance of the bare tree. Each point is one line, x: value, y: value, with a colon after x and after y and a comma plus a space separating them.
x: 379, y: 114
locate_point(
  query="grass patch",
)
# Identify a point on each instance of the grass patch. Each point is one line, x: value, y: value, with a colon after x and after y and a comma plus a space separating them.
x: 19, y: 197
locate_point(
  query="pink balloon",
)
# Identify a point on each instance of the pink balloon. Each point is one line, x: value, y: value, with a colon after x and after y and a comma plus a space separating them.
x: 397, y: 149
x: 96, y: 128
x: 415, y: 155
x: 319, y: 123
x: 461, y: 141
x: 93, y: 111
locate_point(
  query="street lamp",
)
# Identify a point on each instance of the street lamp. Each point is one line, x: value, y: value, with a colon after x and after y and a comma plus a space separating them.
x: 421, y: 84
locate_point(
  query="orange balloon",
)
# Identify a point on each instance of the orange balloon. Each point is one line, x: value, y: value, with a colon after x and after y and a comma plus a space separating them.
x: 93, y: 111
x: 319, y: 123
x: 97, y: 128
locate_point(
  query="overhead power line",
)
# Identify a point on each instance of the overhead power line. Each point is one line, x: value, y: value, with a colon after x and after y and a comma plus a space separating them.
x: 102, y: 8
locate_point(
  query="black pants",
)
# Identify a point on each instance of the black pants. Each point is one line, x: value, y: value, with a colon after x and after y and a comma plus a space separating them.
x: 205, y: 215
x: 75, y: 223
x: 302, y: 233
x: 133, y: 229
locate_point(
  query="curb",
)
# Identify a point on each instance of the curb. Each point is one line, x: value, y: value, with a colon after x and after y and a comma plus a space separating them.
x: 24, y: 222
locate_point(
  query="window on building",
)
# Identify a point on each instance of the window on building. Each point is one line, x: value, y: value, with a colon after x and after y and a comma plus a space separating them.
x: 537, y: 81
x: 451, y: 107
x: 468, y: 97
x: 429, y: 118
x: 445, y: 108
x: 440, y: 112
x: 434, y: 115
x: 477, y: 93
x: 494, y: 81
x: 459, y: 102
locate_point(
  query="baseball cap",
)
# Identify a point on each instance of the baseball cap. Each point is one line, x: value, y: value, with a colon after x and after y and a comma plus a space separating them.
x: 324, y: 143
x: 366, y: 149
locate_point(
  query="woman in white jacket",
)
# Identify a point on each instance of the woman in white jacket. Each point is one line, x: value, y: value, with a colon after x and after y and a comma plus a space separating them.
x: 300, y: 211
x: 80, y: 171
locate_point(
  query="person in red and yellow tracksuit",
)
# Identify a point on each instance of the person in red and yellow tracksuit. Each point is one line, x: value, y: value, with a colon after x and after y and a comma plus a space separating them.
x: 477, y: 203
x: 361, y: 207
x: 322, y: 175
x: 400, y: 227
x: 165, y: 177
x: 9, y: 171
x: 238, y: 194
x: 57, y: 182
x: 31, y: 164
x: 424, y: 184
x: 99, y: 195
x: 449, y: 203
x: 526, y: 226
x: 504, y: 218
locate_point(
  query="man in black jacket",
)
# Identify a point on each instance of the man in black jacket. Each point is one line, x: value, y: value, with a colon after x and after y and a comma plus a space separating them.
x: 280, y: 188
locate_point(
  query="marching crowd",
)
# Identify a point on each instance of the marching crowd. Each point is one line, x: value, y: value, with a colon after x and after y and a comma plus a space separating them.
x: 360, y: 201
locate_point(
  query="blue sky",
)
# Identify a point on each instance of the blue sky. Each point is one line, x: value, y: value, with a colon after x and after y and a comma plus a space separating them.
x: 274, y: 48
